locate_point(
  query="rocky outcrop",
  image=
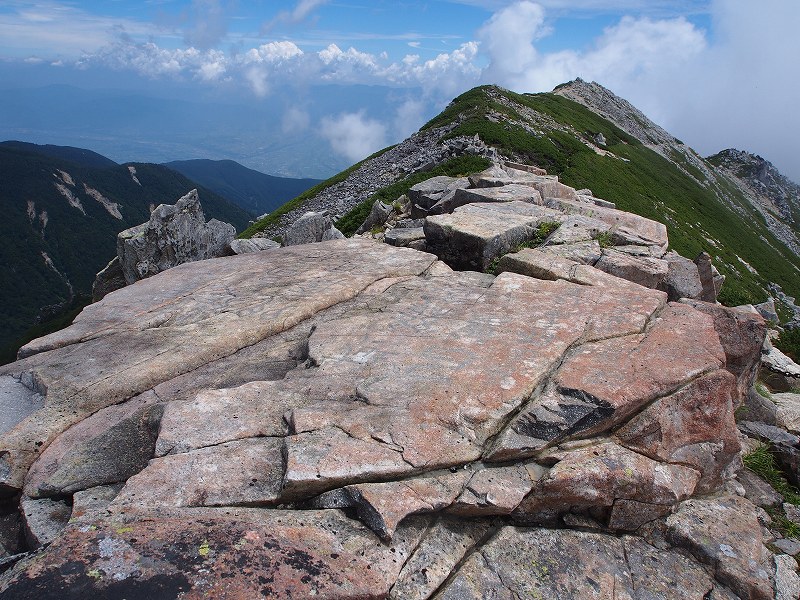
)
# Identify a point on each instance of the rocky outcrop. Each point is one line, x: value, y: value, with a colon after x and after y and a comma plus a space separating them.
x: 775, y: 192
x: 473, y: 222
x: 355, y: 420
x: 175, y: 234
x: 252, y: 245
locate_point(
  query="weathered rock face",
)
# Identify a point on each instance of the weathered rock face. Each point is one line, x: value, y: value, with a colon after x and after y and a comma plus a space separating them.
x: 256, y: 400
x: 111, y: 278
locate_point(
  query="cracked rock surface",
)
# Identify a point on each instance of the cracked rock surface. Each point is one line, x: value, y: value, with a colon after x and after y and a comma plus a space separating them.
x: 350, y: 419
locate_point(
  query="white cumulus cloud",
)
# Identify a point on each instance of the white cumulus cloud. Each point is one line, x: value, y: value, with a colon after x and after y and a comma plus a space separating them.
x: 733, y: 88
x: 353, y: 135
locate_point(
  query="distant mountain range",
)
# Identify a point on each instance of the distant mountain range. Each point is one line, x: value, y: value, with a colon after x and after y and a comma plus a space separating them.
x: 252, y: 190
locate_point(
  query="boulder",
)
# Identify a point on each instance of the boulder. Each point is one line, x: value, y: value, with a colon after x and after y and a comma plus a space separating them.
x: 725, y: 534
x: 108, y: 447
x: 646, y: 271
x: 382, y: 506
x: 575, y: 229
x: 682, y: 279
x: 17, y: 401
x: 94, y: 502
x: 767, y: 310
x: 707, y: 281
x: 787, y: 581
x: 473, y: 236
x: 680, y: 429
x: 785, y: 447
x: 758, y: 408
x: 779, y: 371
x: 252, y: 245
x: 377, y: 216
x: 506, y: 193
x: 312, y: 227
x: 787, y: 414
x: 175, y: 234
x: 403, y: 237
x: 600, y: 477
x: 585, y: 253
x: 611, y: 380
x: 44, y: 519
x: 740, y: 334
x: 240, y: 473
x: 758, y: 491
x: 431, y: 191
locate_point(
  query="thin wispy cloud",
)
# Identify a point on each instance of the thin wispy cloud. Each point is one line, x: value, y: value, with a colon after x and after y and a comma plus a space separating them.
x: 208, y: 23
x: 301, y: 11
x: 650, y: 7
x: 54, y: 29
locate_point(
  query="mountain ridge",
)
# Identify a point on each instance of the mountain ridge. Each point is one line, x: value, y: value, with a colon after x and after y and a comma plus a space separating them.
x: 666, y: 182
x: 79, y: 156
x: 718, y: 171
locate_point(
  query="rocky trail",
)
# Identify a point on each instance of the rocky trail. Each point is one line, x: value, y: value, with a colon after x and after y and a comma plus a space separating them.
x: 357, y: 419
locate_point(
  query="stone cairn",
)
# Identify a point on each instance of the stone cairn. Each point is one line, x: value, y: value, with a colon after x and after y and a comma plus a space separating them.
x: 352, y: 419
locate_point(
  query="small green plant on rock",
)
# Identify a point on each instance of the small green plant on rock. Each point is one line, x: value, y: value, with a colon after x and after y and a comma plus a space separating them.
x: 604, y: 238
x: 762, y: 462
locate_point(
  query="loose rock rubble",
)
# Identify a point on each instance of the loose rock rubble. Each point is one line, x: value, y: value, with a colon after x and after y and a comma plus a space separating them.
x: 353, y: 419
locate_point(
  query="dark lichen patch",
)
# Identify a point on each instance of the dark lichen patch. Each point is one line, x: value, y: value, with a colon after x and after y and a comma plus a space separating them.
x: 73, y: 581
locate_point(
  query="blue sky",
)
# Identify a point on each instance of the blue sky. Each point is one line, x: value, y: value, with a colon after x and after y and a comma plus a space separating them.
x: 52, y: 29
x: 716, y: 73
